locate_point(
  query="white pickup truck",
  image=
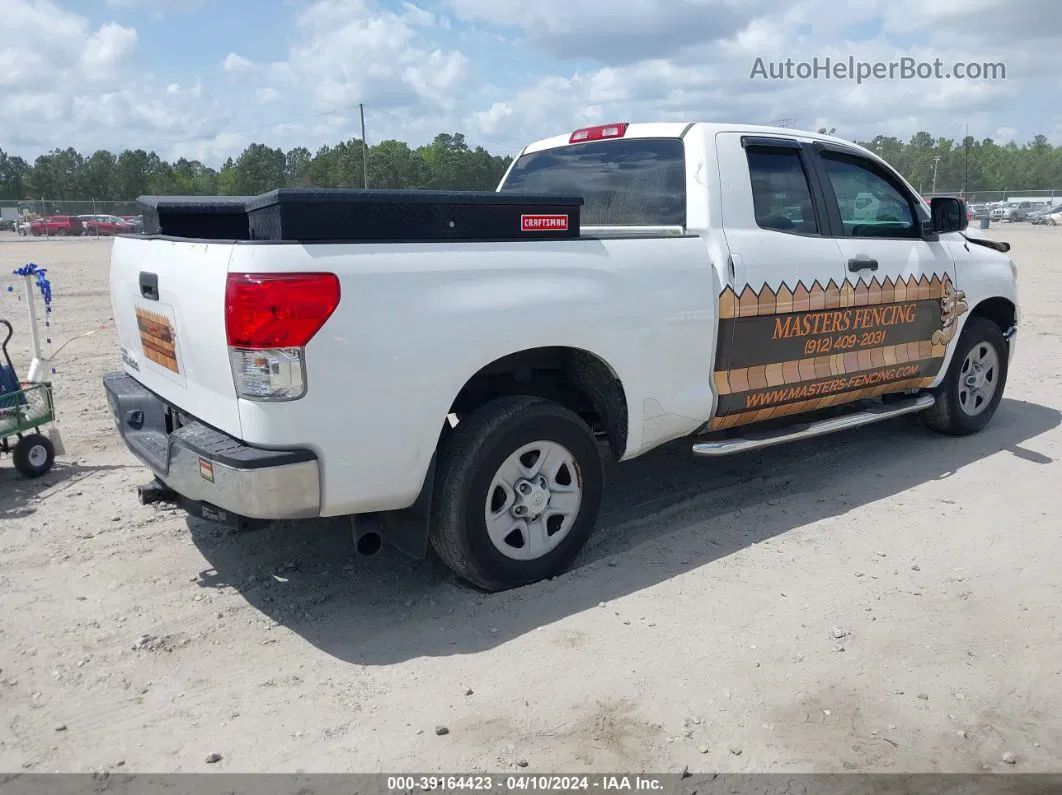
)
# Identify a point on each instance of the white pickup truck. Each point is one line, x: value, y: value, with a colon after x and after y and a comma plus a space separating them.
x: 448, y: 367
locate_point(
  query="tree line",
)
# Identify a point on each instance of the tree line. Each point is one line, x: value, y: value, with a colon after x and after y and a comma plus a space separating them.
x: 448, y: 163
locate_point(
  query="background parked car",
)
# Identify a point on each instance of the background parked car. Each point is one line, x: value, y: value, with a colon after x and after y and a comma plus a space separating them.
x: 1019, y: 212
x: 1053, y: 218
x: 1041, y: 216
x: 58, y: 225
x: 137, y: 222
x: 104, y: 225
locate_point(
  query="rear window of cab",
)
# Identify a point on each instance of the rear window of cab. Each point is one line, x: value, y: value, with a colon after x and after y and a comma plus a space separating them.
x: 623, y: 182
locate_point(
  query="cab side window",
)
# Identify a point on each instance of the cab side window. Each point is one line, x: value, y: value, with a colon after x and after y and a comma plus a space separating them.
x: 780, y: 191
x: 870, y: 205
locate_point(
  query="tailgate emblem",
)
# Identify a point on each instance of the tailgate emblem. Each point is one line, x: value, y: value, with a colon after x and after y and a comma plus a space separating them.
x: 543, y: 223
x: 158, y: 339
x: 206, y: 469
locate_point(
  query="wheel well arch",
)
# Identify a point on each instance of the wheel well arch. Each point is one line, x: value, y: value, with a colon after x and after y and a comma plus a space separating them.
x: 998, y: 310
x: 573, y: 377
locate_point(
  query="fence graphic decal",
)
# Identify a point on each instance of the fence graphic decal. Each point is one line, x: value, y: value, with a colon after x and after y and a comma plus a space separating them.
x: 789, y: 350
x: 158, y: 339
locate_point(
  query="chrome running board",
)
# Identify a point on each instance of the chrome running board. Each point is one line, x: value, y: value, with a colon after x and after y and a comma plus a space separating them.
x: 809, y: 430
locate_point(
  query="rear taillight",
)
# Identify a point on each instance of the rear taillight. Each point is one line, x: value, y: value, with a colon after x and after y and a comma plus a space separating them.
x: 269, y: 320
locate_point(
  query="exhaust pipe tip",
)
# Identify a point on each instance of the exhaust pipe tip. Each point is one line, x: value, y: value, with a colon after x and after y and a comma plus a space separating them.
x: 155, y: 491
x: 367, y: 532
x: 369, y: 543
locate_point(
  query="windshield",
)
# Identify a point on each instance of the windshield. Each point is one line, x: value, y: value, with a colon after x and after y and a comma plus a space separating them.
x: 634, y: 182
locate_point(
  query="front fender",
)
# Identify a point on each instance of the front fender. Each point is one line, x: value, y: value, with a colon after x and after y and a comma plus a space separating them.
x: 983, y: 275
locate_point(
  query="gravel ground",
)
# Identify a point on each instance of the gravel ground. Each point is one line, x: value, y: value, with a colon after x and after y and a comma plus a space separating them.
x: 882, y: 600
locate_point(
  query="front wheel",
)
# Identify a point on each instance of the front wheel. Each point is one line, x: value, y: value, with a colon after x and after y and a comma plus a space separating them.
x: 34, y: 455
x: 517, y: 494
x: 973, y: 387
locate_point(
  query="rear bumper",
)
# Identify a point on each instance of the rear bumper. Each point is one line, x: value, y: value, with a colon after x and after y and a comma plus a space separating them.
x: 204, y: 465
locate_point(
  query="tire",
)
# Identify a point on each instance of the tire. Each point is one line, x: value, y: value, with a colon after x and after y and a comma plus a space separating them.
x: 470, y: 472
x: 957, y: 410
x: 34, y: 455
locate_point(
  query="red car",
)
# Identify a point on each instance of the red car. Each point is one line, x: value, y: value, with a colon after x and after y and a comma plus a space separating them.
x: 60, y: 225
x: 104, y: 224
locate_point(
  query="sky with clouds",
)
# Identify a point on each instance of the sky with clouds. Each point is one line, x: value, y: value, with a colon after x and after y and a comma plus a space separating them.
x: 203, y: 78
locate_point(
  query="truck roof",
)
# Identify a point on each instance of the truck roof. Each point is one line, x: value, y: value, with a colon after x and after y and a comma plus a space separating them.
x: 678, y: 129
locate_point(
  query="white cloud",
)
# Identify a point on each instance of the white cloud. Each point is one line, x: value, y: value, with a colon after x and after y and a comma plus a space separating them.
x: 487, y: 121
x: 160, y: 7
x: 236, y: 63
x: 351, y: 51
x: 73, y: 83
x: 107, y: 49
x: 709, y: 80
x: 511, y: 71
x: 416, y: 16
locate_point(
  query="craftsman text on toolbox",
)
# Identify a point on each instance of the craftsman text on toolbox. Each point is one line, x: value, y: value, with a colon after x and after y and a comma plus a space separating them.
x: 860, y: 71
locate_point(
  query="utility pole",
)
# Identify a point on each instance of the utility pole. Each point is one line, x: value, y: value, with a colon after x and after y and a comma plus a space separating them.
x: 966, y: 166
x: 364, y: 150
x: 936, y: 160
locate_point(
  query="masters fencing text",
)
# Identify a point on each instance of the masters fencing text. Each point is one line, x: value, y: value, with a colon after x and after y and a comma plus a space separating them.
x: 807, y: 391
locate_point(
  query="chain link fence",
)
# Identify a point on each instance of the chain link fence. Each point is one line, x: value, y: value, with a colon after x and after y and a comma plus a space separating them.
x: 1048, y: 196
x: 66, y: 218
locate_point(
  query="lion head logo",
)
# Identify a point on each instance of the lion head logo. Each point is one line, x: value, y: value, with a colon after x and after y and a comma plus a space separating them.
x: 952, y: 307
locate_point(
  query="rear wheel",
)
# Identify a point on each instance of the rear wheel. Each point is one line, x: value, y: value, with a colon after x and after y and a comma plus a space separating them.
x: 517, y: 494
x: 973, y: 387
x: 34, y: 455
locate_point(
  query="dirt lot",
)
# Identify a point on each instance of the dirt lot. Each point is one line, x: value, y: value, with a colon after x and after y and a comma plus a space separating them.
x: 699, y: 628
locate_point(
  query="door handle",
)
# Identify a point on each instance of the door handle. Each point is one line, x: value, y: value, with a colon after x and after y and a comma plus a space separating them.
x: 857, y: 264
x: 149, y: 285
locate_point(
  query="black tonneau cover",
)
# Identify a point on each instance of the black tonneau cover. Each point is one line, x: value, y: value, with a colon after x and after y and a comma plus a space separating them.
x: 350, y: 215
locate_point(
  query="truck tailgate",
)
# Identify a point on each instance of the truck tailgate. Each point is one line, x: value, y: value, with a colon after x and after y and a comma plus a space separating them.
x: 168, y: 299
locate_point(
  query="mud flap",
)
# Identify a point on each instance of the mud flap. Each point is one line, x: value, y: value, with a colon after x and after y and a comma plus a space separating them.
x: 407, y: 529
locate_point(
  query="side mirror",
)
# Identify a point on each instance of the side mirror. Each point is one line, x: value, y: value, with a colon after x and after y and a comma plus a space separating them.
x: 949, y: 214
